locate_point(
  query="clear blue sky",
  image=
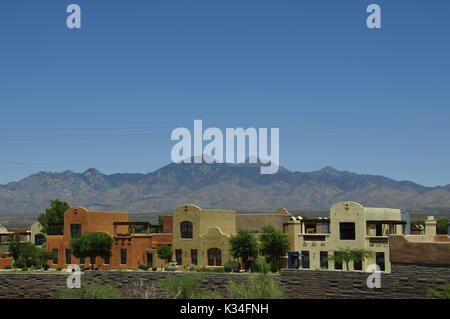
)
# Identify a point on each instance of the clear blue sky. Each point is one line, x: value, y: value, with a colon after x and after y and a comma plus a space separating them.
x: 368, y: 101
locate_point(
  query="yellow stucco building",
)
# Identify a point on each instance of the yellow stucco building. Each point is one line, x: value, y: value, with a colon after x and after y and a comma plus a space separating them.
x: 350, y: 225
x: 201, y: 237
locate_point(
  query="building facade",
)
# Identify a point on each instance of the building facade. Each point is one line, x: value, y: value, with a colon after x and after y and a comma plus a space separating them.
x: 129, y: 249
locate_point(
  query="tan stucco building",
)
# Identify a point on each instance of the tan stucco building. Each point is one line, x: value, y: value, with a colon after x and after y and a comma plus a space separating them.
x: 201, y: 237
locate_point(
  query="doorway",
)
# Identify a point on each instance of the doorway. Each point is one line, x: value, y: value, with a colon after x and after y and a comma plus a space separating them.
x: 150, y: 260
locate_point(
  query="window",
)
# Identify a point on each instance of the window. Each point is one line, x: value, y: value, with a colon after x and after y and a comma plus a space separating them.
x: 380, y: 260
x: 123, y: 256
x: 305, y: 259
x: 106, y: 260
x: 324, y: 260
x: 186, y: 230
x: 347, y: 231
x: 214, y: 257
x: 92, y: 260
x: 378, y: 230
x: 179, y: 256
x: 55, y: 256
x: 75, y: 230
x: 68, y: 257
x: 337, y: 264
x: 82, y: 261
x: 357, y: 265
x: 194, y: 256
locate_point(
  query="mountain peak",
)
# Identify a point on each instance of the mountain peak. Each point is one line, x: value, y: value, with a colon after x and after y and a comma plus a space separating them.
x: 91, y: 172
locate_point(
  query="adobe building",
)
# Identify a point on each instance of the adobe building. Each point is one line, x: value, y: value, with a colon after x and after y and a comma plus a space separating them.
x: 384, y: 231
x: 129, y: 248
x: 201, y: 237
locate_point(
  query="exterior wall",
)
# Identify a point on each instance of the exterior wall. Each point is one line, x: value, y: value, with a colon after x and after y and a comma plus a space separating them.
x: 36, y: 228
x: 404, y: 251
x: 405, y: 281
x: 255, y: 222
x: 167, y: 224
x: 211, y: 229
x: 136, y: 245
x: 346, y: 212
x: 5, y: 261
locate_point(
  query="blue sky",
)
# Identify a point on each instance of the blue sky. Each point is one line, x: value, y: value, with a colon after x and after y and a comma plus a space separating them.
x: 108, y: 95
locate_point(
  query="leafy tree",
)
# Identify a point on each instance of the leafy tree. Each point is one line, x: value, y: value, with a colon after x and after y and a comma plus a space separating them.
x: 244, y: 245
x: 164, y: 252
x: 53, y: 215
x: 274, y: 244
x: 92, y: 245
x: 441, y: 225
x: 42, y: 255
x: 346, y: 255
x: 14, y: 249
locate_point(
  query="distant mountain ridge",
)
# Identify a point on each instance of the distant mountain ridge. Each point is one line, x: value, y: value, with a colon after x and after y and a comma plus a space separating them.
x: 227, y: 186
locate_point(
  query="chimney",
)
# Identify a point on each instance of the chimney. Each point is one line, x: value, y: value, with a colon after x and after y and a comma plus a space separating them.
x: 430, y: 228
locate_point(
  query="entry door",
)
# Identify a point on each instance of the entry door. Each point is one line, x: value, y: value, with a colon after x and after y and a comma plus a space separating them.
x: 150, y: 260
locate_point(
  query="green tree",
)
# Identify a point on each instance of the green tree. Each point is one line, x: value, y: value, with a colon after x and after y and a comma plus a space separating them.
x: 14, y: 249
x: 92, y: 245
x: 244, y: 246
x: 42, y: 255
x: 442, y: 225
x: 274, y: 244
x: 164, y: 252
x: 53, y: 219
x: 346, y: 255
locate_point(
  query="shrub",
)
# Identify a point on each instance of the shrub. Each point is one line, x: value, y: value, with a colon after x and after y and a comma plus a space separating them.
x: 220, y: 270
x: 24, y: 268
x: 7, y: 267
x: 59, y: 268
x: 261, y: 286
x: 154, y: 268
x: 90, y: 291
x: 45, y: 267
x: 181, y: 287
x: 260, y: 265
x: 203, y: 269
x: 207, y: 294
x: 143, y: 267
x: 432, y: 293
x: 232, y: 266
x: 274, y: 268
x: 19, y: 263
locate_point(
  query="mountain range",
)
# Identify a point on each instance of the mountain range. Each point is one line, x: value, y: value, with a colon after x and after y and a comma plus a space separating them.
x: 224, y: 186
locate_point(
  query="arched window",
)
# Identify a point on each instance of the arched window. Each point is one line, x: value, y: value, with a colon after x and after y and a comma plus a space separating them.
x: 186, y: 230
x: 214, y: 257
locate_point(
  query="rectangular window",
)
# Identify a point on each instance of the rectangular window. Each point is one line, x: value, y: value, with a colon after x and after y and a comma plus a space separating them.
x: 380, y: 260
x: 347, y: 231
x: 75, y: 230
x: 106, y: 260
x: 324, y: 260
x: 123, y: 256
x: 82, y: 260
x: 305, y: 259
x: 179, y: 256
x: 92, y: 260
x: 378, y: 230
x: 68, y: 257
x: 337, y: 264
x: 55, y: 256
x: 194, y: 256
